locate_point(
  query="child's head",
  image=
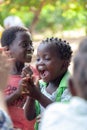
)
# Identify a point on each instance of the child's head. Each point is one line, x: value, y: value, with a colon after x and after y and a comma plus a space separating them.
x: 53, y: 58
x: 78, y: 82
x: 18, y: 41
x: 83, y: 46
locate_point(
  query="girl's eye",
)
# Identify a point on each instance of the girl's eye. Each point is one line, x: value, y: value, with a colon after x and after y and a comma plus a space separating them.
x: 30, y: 42
x: 47, y: 58
x: 24, y: 44
x: 38, y: 59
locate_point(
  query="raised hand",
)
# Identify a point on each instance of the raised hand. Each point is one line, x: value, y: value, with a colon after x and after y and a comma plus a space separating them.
x: 5, y: 65
x: 29, y: 86
x: 26, y: 71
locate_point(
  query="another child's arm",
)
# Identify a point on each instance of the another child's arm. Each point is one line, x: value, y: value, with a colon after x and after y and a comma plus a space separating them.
x: 30, y: 111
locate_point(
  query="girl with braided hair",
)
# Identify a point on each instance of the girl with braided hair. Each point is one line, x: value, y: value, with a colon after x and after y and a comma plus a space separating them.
x: 53, y: 59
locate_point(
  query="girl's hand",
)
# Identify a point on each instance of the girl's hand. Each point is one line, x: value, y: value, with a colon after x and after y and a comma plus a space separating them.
x: 28, y: 86
x: 26, y: 71
x: 5, y: 66
x: 22, y: 89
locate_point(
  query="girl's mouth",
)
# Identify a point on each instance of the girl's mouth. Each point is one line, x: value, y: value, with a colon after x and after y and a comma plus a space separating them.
x: 43, y: 74
x: 28, y: 55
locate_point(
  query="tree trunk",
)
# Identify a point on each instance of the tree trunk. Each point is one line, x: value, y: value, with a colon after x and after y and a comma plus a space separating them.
x: 36, y: 17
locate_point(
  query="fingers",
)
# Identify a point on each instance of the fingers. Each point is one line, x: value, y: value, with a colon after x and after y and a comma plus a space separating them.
x: 23, y: 74
x: 26, y: 70
x: 24, y: 90
x: 3, y: 50
x: 36, y: 80
x: 6, y: 53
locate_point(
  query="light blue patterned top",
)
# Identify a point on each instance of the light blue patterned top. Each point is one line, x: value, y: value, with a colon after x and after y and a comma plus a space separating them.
x: 5, y: 121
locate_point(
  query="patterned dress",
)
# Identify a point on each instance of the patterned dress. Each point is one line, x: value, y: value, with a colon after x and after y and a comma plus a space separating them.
x: 16, y: 108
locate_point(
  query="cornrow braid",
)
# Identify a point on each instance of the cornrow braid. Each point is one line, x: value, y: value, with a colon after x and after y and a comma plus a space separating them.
x: 63, y: 47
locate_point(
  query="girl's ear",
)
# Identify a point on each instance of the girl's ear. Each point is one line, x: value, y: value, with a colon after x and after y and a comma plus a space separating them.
x: 66, y: 63
x: 72, y: 87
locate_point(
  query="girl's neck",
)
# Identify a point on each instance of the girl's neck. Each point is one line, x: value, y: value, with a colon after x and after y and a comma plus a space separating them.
x: 53, y: 85
x: 17, y: 68
x: 56, y: 81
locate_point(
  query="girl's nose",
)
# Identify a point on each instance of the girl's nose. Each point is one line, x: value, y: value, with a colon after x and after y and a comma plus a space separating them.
x: 30, y: 48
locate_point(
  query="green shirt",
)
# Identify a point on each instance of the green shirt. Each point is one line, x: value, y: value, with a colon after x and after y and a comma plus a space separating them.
x: 61, y: 88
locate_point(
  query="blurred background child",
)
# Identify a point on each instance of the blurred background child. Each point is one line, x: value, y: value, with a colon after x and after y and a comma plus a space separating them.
x: 18, y: 41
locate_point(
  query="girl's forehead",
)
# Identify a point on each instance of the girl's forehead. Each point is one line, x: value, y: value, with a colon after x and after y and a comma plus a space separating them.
x: 46, y: 47
x: 23, y: 35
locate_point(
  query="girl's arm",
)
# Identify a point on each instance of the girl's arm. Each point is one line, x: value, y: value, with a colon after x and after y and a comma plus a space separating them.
x: 30, y: 111
x: 35, y: 93
x: 12, y: 97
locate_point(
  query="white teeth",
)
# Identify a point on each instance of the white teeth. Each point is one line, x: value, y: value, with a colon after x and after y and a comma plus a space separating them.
x: 29, y: 55
x: 40, y: 67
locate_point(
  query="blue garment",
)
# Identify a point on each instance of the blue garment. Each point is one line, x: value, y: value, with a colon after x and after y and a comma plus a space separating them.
x: 5, y: 121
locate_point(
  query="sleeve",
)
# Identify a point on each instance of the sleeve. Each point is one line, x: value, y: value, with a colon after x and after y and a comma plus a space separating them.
x: 5, y: 121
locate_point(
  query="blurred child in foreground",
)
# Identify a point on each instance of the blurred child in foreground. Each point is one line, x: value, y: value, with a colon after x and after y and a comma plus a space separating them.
x: 5, y: 65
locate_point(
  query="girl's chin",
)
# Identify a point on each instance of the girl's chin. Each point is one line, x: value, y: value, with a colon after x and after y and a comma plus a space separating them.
x: 28, y: 59
x: 44, y: 79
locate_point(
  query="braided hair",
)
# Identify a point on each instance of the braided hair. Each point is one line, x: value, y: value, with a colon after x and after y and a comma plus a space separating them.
x: 62, y: 47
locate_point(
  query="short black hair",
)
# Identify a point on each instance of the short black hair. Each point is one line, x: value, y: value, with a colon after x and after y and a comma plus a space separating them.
x: 9, y: 34
x: 63, y: 47
x: 80, y: 70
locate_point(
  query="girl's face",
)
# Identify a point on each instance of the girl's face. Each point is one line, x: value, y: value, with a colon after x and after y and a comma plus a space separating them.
x: 49, y: 65
x: 21, y: 48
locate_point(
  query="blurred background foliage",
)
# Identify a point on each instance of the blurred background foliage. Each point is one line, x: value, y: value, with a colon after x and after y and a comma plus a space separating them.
x: 40, y: 15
